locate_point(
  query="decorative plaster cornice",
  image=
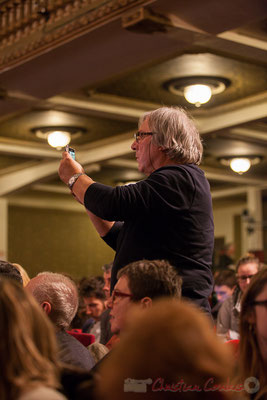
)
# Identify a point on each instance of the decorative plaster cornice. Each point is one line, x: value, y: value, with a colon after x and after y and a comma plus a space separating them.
x: 29, y: 29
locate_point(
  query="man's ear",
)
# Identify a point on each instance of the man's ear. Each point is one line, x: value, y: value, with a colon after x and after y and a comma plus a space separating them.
x: 146, y: 302
x: 46, y: 307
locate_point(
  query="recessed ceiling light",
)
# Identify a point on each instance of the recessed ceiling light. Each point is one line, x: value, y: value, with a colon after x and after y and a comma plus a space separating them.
x: 197, y: 90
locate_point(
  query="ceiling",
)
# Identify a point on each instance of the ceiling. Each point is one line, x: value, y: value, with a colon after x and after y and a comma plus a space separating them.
x: 101, y: 80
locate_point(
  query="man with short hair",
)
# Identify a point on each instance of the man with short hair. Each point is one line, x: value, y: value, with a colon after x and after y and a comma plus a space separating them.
x: 58, y: 296
x: 140, y: 283
x: 168, y: 215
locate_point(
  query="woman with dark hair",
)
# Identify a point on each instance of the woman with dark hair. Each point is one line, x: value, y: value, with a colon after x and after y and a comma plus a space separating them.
x: 229, y: 313
x: 28, y: 362
x: 253, y: 335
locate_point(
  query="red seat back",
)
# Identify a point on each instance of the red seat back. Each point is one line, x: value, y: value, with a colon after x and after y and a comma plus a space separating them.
x: 84, y: 338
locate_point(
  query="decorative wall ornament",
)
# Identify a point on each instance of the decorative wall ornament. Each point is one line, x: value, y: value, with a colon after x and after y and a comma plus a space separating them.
x: 29, y: 28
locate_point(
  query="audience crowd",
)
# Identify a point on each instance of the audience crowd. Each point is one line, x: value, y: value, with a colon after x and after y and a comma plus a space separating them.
x: 146, y: 340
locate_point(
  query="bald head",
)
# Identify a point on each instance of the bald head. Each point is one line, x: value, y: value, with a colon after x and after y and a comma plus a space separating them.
x: 57, y: 294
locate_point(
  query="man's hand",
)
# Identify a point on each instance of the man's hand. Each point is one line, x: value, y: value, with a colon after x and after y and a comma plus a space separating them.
x: 68, y: 167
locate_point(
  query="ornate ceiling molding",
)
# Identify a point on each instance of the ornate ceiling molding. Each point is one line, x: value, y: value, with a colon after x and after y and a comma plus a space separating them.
x: 29, y: 28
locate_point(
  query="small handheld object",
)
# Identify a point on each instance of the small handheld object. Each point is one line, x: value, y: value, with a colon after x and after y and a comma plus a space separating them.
x: 71, y: 151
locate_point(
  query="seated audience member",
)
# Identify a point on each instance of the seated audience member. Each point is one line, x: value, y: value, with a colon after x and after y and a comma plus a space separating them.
x: 58, y: 296
x: 164, y: 350
x: 140, y: 283
x: 28, y: 348
x: 23, y: 273
x: 9, y: 271
x: 253, y: 335
x: 228, y: 315
x: 94, y: 299
x: 104, y: 320
x: 224, y: 286
x: 226, y: 260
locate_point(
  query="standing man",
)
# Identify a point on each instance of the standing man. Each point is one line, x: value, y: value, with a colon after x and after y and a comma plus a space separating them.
x: 168, y: 215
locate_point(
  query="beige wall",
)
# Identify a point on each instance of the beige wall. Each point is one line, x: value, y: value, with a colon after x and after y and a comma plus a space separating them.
x: 56, y: 240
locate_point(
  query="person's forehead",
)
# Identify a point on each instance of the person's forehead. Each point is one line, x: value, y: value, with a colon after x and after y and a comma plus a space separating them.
x: 89, y: 300
x: 123, y: 284
x: 247, y: 268
x: 221, y: 288
x: 144, y: 126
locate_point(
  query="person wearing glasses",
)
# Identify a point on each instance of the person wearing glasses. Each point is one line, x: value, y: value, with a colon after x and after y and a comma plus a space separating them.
x: 168, y: 215
x: 141, y: 283
x: 229, y: 313
x: 253, y: 336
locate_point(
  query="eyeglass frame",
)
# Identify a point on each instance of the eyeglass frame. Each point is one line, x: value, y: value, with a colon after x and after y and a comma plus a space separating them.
x: 116, y: 294
x: 244, y: 277
x: 139, y: 135
x: 259, y: 303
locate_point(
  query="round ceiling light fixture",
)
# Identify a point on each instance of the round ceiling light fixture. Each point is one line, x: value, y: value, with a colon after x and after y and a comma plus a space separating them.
x: 240, y: 164
x: 197, y: 90
x: 58, y: 136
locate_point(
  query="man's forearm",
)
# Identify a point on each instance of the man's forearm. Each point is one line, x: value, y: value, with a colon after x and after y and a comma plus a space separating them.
x: 102, y: 226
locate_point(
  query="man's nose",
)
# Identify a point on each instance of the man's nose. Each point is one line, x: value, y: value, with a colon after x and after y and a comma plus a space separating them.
x: 109, y: 302
x: 134, y: 144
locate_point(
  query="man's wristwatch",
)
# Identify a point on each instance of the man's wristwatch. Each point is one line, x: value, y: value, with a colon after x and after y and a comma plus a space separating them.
x: 73, y: 179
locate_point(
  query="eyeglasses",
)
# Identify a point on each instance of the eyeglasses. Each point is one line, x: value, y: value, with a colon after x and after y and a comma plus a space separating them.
x: 243, y: 278
x: 140, y: 135
x: 116, y: 294
x: 259, y: 303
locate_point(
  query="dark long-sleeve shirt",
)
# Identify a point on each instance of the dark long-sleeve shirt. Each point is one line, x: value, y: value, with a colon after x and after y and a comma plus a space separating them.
x: 166, y: 216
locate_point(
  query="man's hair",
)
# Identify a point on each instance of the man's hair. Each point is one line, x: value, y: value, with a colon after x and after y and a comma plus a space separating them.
x: 60, y: 291
x: 92, y: 287
x: 227, y: 278
x: 155, y: 278
x: 9, y: 271
x: 247, y: 259
x: 176, y: 133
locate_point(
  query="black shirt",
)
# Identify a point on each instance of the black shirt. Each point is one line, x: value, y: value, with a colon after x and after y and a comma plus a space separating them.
x: 166, y: 216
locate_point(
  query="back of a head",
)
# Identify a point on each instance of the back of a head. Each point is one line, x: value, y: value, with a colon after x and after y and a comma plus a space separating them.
x: 23, y: 273
x: 9, y: 271
x: 167, y: 343
x: 152, y: 278
x: 28, y: 345
x: 60, y: 291
x: 176, y: 133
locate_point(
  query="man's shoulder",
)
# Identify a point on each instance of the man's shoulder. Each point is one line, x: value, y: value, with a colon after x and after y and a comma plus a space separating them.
x: 72, y: 351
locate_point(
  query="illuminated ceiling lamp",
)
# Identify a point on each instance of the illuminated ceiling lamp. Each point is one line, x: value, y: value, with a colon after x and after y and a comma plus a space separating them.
x: 240, y: 164
x: 58, y: 136
x: 197, y: 90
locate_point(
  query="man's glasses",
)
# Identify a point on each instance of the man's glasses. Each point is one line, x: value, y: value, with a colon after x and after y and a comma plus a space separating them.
x: 140, y: 135
x: 117, y: 294
x: 243, y: 278
x: 259, y: 303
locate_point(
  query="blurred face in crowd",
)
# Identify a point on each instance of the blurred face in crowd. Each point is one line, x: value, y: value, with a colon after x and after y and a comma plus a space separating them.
x: 245, y: 273
x: 107, y: 278
x: 94, y: 307
x: 223, y: 292
x: 119, y: 303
